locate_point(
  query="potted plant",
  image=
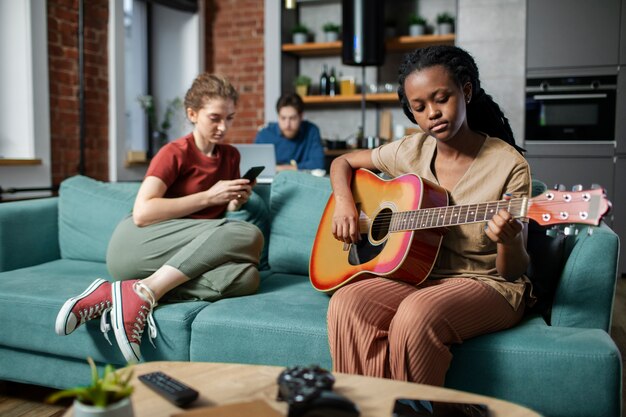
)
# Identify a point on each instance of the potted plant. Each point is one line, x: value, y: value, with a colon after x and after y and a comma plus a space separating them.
x: 445, y: 22
x: 107, y: 396
x: 417, y: 25
x: 302, y: 84
x: 300, y: 33
x: 331, y: 32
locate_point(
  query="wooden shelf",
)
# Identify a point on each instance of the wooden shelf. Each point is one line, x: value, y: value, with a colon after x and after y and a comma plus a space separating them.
x: 402, y: 43
x: 19, y: 162
x: 351, y: 99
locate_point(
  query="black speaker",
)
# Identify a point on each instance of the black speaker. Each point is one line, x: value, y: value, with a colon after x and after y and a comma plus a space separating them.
x: 363, y: 32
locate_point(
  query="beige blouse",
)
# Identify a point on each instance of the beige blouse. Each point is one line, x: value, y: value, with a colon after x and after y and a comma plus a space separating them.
x: 466, y: 251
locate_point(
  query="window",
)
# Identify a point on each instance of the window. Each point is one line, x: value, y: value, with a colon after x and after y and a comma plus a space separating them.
x: 159, y: 55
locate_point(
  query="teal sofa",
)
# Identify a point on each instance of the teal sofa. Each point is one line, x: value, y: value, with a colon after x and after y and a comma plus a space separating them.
x: 53, y: 248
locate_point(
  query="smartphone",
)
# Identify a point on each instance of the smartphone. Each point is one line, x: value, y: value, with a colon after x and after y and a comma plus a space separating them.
x: 253, y: 173
x: 409, y: 407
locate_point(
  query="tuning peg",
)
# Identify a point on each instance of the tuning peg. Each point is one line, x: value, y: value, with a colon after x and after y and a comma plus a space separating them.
x: 559, y: 187
x: 577, y: 188
x: 570, y: 230
x: 595, y: 186
x: 553, y: 231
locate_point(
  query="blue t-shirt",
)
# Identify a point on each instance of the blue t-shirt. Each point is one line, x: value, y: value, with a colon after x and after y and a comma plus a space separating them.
x: 306, y: 148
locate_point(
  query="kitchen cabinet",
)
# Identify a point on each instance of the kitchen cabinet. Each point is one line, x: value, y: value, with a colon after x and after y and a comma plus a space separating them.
x: 572, y: 33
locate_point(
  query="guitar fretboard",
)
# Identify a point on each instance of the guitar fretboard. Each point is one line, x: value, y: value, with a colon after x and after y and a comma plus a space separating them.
x: 455, y: 215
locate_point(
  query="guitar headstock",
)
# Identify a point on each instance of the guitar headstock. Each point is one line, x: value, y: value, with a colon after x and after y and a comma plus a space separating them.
x: 569, y: 207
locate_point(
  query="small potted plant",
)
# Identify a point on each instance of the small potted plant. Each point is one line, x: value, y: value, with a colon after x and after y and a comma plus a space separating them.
x: 445, y: 23
x: 417, y: 25
x: 300, y: 34
x: 302, y: 84
x: 331, y: 32
x: 107, y: 396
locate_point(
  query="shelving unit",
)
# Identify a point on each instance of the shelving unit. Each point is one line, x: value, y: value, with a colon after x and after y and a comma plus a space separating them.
x: 351, y: 99
x: 399, y: 44
x: 402, y: 43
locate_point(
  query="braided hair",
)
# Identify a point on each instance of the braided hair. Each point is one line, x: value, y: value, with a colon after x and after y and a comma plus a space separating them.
x: 483, y: 114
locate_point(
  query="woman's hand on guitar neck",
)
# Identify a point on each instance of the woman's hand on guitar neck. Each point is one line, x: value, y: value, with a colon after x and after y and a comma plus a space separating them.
x: 346, y: 221
x: 503, y: 228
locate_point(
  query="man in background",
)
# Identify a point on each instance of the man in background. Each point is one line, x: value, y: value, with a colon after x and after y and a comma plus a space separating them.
x: 297, y: 142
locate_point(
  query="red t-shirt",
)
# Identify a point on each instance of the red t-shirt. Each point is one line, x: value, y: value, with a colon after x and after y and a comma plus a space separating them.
x: 186, y: 170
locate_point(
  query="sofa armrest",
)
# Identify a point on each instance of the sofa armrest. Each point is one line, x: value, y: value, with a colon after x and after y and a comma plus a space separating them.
x: 586, y: 290
x: 29, y: 233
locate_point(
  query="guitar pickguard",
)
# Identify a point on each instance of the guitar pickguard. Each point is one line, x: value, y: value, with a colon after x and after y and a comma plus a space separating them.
x: 364, y: 251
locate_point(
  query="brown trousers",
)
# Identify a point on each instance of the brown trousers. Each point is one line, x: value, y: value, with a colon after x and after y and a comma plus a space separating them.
x: 383, y: 328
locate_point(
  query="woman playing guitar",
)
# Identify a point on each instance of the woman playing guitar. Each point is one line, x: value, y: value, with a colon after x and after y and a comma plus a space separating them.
x: 387, y: 328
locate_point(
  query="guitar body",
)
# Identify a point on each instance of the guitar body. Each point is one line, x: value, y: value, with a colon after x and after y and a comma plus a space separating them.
x: 402, y: 255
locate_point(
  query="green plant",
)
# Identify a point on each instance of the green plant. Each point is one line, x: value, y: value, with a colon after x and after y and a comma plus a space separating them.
x: 331, y: 27
x: 445, y: 17
x: 300, y: 28
x: 416, y: 20
x: 160, y: 129
x: 302, y: 80
x: 103, y: 391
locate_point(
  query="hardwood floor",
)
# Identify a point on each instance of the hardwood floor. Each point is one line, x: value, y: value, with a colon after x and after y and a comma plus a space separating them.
x: 17, y: 400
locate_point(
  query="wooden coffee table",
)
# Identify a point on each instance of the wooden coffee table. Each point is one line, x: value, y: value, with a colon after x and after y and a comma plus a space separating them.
x: 225, y: 383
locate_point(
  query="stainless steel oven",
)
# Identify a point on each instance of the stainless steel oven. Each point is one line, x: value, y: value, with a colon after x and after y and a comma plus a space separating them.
x: 571, y: 108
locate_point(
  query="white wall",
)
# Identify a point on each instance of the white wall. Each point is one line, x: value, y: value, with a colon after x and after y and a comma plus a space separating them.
x: 494, y: 32
x: 24, y: 94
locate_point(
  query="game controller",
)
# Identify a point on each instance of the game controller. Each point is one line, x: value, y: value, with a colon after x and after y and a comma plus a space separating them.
x: 308, y: 391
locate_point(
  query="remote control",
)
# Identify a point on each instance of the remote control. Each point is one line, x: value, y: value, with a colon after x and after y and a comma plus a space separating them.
x: 169, y: 388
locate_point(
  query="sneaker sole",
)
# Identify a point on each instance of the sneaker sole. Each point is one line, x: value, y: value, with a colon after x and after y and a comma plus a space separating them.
x: 60, y: 325
x: 117, y: 320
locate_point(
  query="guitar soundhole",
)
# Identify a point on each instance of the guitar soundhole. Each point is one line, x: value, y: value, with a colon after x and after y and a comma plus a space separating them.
x: 365, y: 251
x: 380, y: 226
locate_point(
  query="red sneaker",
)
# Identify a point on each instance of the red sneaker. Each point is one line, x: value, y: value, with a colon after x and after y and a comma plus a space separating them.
x: 133, y: 303
x: 94, y: 302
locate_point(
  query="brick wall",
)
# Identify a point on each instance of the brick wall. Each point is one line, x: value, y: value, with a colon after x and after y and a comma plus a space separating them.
x: 64, y: 88
x: 234, y: 48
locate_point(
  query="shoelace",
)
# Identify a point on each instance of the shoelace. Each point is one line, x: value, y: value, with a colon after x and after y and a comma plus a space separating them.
x: 144, y: 315
x: 94, y: 311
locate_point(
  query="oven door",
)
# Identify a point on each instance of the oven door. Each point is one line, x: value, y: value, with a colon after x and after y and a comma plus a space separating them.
x: 571, y: 115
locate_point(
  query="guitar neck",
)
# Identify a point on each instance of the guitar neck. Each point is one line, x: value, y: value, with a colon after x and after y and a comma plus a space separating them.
x: 455, y: 215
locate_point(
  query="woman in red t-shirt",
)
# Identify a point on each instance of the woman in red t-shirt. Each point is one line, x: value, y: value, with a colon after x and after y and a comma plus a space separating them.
x: 176, y: 245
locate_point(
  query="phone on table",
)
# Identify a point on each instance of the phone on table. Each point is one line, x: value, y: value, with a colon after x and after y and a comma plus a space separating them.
x: 410, y: 407
x: 253, y: 172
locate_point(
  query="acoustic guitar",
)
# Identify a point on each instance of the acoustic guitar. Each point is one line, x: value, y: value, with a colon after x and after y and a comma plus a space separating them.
x: 402, y: 222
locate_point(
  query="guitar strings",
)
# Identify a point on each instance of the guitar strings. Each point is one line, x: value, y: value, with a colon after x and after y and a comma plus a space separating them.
x: 430, y: 217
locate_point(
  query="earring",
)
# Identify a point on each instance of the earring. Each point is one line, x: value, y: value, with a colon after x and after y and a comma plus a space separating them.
x: 467, y: 99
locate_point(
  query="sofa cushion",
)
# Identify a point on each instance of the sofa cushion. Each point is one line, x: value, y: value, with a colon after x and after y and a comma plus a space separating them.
x: 89, y: 211
x: 284, y: 324
x: 30, y: 299
x: 542, y: 367
x: 297, y: 202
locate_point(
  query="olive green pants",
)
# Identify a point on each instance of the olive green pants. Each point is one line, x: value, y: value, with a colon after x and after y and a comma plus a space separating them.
x: 220, y: 256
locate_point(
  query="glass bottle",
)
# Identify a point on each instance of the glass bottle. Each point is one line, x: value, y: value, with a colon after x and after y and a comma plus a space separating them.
x: 324, y: 88
x: 332, y: 83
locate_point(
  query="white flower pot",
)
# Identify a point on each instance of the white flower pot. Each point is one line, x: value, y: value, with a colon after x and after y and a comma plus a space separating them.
x: 122, y: 408
x: 416, y: 30
x: 299, y: 38
x: 331, y: 36
x: 444, y: 28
